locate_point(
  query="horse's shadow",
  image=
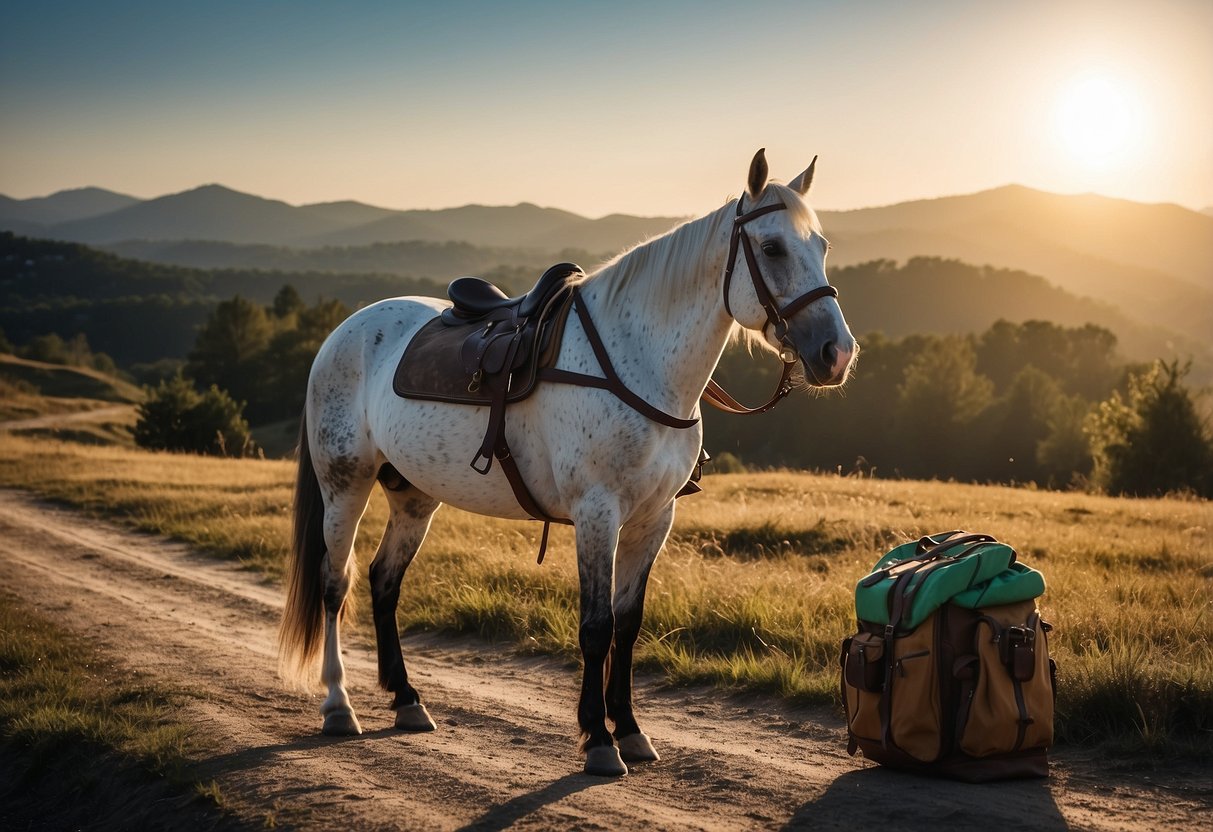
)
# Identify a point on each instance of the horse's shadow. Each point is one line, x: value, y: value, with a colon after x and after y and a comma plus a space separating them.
x: 882, y: 798
x: 498, y: 816
x: 504, y: 815
x: 249, y: 758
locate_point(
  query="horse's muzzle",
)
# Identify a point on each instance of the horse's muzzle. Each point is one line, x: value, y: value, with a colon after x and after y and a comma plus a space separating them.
x: 828, y: 359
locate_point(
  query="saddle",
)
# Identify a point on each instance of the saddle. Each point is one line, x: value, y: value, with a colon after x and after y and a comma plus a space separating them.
x: 488, y: 345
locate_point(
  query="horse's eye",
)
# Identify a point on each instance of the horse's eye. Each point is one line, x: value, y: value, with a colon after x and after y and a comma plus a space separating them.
x: 773, y: 248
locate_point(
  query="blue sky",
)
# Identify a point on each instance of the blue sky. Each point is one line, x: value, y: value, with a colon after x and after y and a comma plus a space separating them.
x: 650, y: 108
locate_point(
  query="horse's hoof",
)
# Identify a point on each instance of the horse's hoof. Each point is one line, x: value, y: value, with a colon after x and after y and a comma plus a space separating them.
x: 414, y: 718
x: 604, y: 761
x: 638, y: 748
x: 341, y: 724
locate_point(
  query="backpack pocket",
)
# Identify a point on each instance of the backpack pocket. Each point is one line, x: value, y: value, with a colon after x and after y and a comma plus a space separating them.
x: 913, y: 691
x: 1008, y: 706
x: 862, y: 665
x: 865, y: 662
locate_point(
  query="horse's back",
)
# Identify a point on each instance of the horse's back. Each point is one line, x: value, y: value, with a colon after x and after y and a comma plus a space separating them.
x: 373, y: 336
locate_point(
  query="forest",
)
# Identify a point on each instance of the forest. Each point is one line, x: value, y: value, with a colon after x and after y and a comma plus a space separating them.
x: 944, y: 386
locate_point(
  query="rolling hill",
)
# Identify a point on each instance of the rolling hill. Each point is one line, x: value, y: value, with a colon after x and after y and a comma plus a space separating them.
x: 218, y: 214
x: 64, y: 206
x: 1153, y: 263
x: 139, y: 311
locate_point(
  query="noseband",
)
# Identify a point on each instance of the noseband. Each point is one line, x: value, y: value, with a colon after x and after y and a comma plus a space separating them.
x: 777, y: 317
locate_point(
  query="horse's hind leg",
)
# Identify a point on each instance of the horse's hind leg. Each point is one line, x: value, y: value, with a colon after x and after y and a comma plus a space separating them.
x: 411, y: 512
x: 345, y: 496
x: 639, y: 543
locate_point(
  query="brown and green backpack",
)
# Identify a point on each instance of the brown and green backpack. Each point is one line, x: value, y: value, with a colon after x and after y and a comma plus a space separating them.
x: 949, y: 673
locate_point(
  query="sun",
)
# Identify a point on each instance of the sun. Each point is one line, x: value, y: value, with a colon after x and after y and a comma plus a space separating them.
x: 1098, y: 119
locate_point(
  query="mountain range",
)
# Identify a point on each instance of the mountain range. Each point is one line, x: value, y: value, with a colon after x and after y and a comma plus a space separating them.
x: 1153, y: 262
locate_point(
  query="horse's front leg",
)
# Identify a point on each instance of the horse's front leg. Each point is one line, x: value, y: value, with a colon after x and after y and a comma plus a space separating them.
x: 597, y: 536
x: 639, y: 543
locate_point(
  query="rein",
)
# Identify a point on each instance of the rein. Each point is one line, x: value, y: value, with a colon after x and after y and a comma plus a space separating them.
x: 777, y: 317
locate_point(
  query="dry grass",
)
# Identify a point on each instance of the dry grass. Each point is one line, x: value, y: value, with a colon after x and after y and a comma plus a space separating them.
x: 754, y: 589
x: 84, y: 742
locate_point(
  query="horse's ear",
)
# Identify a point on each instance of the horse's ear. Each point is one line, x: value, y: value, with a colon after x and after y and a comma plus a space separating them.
x: 757, y: 179
x: 801, y: 183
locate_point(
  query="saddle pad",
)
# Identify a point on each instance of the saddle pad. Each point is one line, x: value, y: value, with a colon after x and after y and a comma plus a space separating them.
x: 432, y: 367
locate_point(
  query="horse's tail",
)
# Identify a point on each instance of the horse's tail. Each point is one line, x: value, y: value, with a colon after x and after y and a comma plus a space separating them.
x: 301, y: 633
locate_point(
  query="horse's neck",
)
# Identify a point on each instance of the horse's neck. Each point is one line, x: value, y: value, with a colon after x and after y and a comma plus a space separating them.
x: 666, y: 331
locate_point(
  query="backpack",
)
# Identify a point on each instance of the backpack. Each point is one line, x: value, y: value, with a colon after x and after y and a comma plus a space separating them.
x: 949, y: 673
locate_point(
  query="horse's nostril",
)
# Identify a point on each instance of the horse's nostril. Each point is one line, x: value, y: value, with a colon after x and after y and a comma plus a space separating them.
x: 829, y: 354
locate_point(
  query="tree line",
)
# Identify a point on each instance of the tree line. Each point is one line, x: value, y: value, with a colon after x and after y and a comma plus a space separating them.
x: 1032, y: 402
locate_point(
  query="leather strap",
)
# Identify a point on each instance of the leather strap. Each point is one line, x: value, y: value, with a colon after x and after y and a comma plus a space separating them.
x: 719, y: 398
x: 612, y: 381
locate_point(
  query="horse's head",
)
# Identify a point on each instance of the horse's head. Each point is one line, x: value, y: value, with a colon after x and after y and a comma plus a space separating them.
x: 777, y: 243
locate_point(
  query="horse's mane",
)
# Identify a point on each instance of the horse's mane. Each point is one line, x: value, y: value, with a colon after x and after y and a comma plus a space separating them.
x: 655, y: 269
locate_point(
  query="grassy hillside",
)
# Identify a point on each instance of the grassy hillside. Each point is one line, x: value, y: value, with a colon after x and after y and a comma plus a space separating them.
x: 754, y: 588
x: 60, y: 381
x: 54, y: 401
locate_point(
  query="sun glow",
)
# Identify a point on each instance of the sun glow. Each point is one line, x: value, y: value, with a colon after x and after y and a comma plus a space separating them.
x: 1099, y: 120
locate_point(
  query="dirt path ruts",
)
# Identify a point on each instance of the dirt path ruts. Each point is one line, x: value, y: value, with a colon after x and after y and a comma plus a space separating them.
x: 503, y: 756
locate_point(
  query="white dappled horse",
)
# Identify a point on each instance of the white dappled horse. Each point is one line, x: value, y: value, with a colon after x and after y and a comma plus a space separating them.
x: 665, y: 311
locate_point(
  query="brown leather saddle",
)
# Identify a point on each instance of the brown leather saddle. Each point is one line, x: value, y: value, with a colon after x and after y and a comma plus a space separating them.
x: 488, y: 345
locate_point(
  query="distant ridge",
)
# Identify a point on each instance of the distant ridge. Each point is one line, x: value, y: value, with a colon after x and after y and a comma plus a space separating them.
x: 216, y: 213
x: 1153, y: 261
x: 63, y: 206
x: 211, y: 212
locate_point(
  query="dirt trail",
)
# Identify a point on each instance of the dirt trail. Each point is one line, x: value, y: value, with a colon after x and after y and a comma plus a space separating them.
x: 503, y: 756
x: 55, y: 420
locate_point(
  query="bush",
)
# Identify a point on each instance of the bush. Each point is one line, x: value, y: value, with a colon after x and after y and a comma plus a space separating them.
x: 1155, y: 442
x: 176, y: 417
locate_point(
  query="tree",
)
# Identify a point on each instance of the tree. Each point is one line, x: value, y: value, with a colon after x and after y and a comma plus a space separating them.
x: 1064, y: 454
x: 939, y: 396
x: 228, y: 346
x: 1013, y: 426
x: 176, y: 417
x: 287, y: 360
x: 1155, y: 442
x: 287, y: 302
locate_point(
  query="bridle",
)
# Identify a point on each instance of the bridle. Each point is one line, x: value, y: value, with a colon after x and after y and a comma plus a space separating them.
x: 777, y: 317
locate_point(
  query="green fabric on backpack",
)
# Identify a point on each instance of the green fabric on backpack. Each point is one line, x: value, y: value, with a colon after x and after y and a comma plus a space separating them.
x: 969, y: 575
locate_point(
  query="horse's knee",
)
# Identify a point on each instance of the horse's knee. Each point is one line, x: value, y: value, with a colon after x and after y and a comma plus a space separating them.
x: 595, y: 637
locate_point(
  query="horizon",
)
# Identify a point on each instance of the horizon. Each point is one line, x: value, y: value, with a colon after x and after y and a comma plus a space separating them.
x: 410, y: 107
x: 524, y: 202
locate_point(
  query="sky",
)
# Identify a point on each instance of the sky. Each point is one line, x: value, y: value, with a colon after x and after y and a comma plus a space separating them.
x: 650, y: 108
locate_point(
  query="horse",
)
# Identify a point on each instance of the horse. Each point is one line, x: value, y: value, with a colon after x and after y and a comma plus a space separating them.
x: 664, y: 312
